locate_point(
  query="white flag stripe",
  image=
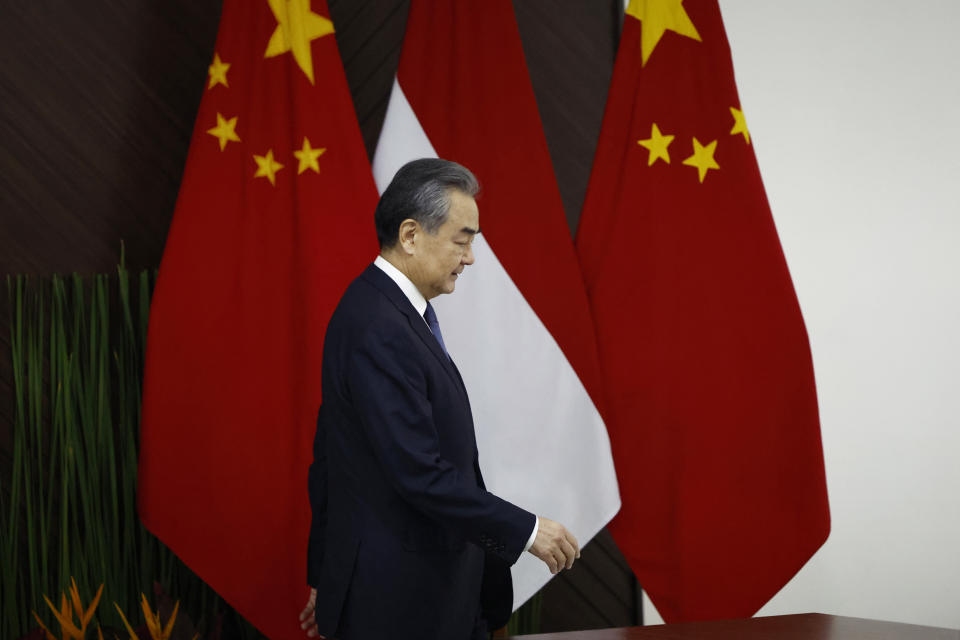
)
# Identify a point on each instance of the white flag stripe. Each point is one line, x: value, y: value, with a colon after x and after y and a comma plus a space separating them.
x: 543, y: 445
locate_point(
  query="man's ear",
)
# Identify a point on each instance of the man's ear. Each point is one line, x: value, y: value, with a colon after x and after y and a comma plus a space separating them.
x: 409, y: 229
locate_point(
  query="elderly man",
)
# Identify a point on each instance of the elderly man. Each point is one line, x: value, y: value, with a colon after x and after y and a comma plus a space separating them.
x: 406, y: 542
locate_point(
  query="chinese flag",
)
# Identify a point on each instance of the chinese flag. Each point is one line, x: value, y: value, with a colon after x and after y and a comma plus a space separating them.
x: 273, y: 219
x: 710, y: 397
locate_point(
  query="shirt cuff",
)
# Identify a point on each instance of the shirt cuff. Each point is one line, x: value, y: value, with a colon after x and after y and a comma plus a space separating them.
x: 533, y: 536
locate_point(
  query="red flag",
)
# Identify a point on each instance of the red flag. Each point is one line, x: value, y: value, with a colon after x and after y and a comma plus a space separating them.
x: 273, y: 220
x: 711, y: 405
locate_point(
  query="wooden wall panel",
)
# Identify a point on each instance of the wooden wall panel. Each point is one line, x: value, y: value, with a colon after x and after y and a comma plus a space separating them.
x: 369, y: 36
x: 97, y: 103
x: 570, y: 47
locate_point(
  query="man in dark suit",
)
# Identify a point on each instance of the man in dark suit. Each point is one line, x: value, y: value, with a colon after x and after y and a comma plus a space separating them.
x: 405, y: 540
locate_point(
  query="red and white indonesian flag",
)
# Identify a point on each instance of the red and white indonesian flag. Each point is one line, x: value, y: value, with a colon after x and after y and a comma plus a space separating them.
x: 518, y: 325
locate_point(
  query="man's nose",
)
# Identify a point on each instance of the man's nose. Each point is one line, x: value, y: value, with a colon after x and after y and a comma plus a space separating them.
x: 468, y: 256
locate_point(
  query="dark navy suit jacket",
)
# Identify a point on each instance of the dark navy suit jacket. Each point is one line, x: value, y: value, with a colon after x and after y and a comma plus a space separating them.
x: 405, y: 540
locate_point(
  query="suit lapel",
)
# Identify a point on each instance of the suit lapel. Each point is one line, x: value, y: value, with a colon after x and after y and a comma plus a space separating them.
x: 389, y: 288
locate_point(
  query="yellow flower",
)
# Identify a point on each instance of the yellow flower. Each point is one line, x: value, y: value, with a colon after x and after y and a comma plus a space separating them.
x: 65, y: 615
x: 85, y: 616
x: 72, y: 631
x: 65, y: 618
x: 156, y: 630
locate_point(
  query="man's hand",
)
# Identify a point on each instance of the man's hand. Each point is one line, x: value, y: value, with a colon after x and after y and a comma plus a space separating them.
x: 555, y: 545
x: 307, y: 621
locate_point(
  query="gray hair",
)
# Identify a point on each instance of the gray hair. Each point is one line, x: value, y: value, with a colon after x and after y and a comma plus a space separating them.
x: 421, y: 191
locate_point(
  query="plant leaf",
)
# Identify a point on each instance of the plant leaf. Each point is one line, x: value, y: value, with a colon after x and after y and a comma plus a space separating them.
x: 169, y: 628
x: 50, y: 636
x: 153, y: 621
x: 65, y: 608
x: 75, y: 597
x: 88, y: 614
x: 133, y: 636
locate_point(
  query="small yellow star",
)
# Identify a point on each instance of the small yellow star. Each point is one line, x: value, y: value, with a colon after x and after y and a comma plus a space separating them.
x: 308, y: 157
x: 267, y: 167
x: 702, y: 158
x: 656, y: 18
x: 218, y: 72
x: 739, y: 124
x: 225, y: 131
x: 657, y: 145
x: 297, y: 27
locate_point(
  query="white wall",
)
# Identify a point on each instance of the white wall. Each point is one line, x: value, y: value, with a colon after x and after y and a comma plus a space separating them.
x: 854, y: 110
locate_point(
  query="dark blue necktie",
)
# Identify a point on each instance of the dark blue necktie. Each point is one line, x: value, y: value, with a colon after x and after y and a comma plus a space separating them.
x: 431, y: 317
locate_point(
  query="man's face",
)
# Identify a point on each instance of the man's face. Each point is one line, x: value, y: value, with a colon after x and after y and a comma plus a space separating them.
x: 442, y: 256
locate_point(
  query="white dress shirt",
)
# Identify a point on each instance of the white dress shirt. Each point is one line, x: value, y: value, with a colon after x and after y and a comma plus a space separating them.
x: 420, y: 304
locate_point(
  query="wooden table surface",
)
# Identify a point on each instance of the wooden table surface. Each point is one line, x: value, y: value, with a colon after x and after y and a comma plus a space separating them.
x: 806, y: 626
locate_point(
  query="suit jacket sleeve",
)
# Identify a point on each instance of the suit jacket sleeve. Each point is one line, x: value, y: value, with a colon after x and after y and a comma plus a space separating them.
x: 317, y: 486
x: 389, y: 391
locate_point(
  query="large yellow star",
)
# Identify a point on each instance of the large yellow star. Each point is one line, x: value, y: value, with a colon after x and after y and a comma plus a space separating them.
x: 308, y: 157
x: 657, y: 17
x: 267, y: 167
x: 739, y: 124
x: 218, y: 72
x: 657, y: 145
x: 297, y: 27
x: 225, y: 131
x: 702, y: 158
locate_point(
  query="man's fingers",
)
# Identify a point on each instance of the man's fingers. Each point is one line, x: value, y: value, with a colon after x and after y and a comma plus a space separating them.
x: 560, y: 557
x: 569, y: 551
x: 557, y: 547
x: 553, y: 564
x: 307, y: 611
x: 549, y: 558
x: 307, y: 621
x: 309, y: 607
x: 306, y: 616
x: 573, y: 541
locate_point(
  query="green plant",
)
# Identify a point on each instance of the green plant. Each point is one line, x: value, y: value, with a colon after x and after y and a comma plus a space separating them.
x: 69, y: 507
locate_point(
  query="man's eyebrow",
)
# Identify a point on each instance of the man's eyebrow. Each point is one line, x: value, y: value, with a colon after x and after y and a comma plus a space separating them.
x: 470, y: 230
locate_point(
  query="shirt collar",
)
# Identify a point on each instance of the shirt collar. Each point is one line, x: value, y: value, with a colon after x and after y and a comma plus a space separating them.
x: 409, y: 289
